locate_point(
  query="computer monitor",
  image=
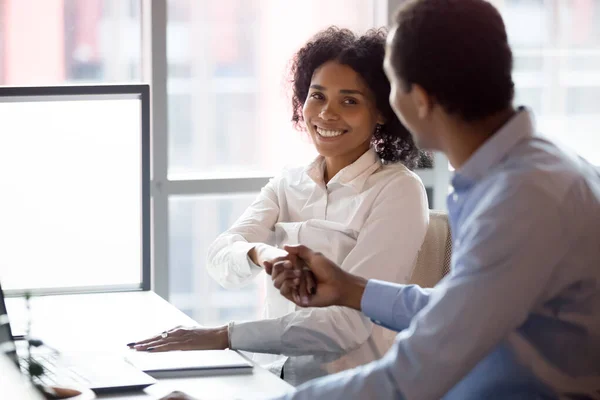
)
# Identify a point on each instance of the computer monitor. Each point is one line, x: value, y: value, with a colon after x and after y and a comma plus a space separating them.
x: 75, y: 197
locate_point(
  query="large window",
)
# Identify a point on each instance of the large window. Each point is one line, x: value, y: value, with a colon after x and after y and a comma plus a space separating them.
x: 227, y: 101
x: 228, y: 113
x: 556, y: 45
x: 229, y: 117
x: 228, y: 107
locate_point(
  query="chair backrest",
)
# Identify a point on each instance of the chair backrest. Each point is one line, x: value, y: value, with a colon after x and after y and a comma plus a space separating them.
x: 433, y: 261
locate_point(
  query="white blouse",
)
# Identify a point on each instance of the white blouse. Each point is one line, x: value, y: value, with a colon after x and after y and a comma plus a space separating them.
x: 369, y: 218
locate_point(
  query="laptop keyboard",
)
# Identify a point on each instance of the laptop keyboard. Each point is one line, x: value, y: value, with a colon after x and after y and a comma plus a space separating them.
x: 54, y: 373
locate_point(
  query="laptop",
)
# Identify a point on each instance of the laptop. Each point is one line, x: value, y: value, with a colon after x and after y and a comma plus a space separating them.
x: 102, y: 375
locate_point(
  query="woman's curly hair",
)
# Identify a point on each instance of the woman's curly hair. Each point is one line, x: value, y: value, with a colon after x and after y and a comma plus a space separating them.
x: 364, y: 54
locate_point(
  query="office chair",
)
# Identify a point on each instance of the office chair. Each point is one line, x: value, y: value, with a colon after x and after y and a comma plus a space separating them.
x: 433, y: 260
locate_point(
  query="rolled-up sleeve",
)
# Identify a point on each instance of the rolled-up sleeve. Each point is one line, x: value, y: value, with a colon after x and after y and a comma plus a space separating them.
x: 228, y: 261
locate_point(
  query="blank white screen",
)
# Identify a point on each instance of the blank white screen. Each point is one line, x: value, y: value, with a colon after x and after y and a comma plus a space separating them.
x: 70, y: 204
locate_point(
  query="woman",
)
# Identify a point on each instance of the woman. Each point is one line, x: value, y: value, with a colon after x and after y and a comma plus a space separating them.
x: 358, y: 203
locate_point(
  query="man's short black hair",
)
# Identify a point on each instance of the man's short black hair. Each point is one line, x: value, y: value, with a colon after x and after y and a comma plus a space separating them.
x: 458, y: 51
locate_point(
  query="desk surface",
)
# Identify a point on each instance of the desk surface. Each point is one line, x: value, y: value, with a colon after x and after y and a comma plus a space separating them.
x: 100, y: 323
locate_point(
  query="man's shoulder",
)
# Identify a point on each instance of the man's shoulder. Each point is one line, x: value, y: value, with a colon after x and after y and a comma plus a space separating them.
x: 534, y: 179
x: 537, y: 167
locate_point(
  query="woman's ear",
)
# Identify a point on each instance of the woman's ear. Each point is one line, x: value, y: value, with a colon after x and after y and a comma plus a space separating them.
x: 381, y: 119
x: 422, y: 101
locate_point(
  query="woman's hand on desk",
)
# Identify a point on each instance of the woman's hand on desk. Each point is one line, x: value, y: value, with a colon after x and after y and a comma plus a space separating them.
x: 185, y: 338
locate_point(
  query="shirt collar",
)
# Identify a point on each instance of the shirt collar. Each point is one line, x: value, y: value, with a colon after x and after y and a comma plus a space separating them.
x: 492, y: 151
x: 354, y: 175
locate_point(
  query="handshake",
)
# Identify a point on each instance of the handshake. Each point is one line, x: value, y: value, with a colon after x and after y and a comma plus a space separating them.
x: 309, y: 279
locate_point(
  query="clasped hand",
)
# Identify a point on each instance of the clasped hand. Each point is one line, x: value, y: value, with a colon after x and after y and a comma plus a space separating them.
x: 296, y: 279
x: 334, y: 286
x: 266, y: 256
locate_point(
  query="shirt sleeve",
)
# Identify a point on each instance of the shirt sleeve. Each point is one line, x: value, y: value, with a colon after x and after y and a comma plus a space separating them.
x: 228, y: 262
x: 393, y: 305
x: 370, y: 381
x: 386, y: 249
x: 501, y: 271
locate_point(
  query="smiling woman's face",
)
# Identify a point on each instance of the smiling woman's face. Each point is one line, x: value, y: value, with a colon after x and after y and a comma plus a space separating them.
x: 340, y: 112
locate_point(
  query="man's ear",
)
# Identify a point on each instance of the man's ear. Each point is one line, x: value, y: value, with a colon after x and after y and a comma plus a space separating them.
x: 422, y: 101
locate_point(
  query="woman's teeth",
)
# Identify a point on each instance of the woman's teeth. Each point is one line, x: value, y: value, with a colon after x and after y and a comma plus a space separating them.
x: 329, y: 133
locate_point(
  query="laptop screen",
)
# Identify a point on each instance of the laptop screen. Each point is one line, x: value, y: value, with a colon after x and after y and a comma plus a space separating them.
x: 6, y: 339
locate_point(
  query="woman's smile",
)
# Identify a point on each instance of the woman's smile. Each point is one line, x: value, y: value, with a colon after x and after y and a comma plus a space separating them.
x: 329, y: 133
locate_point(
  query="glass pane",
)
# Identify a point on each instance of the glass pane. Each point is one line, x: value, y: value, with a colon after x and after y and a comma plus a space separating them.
x: 194, y: 223
x: 50, y: 42
x: 557, y: 67
x: 229, y: 112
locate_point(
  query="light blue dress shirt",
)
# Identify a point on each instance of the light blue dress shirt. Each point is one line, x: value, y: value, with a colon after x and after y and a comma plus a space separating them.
x: 519, y: 315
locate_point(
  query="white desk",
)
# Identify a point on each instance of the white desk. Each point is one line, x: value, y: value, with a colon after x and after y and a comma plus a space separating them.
x: 107, y: 322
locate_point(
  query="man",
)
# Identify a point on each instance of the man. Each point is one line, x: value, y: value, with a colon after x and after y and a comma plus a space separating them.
x: 519, y: 315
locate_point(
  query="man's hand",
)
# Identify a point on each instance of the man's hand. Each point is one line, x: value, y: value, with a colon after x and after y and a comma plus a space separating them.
x: 334, y: 285
x: 265, y: 256
x: 182, y: 338
x: 305, y: 282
